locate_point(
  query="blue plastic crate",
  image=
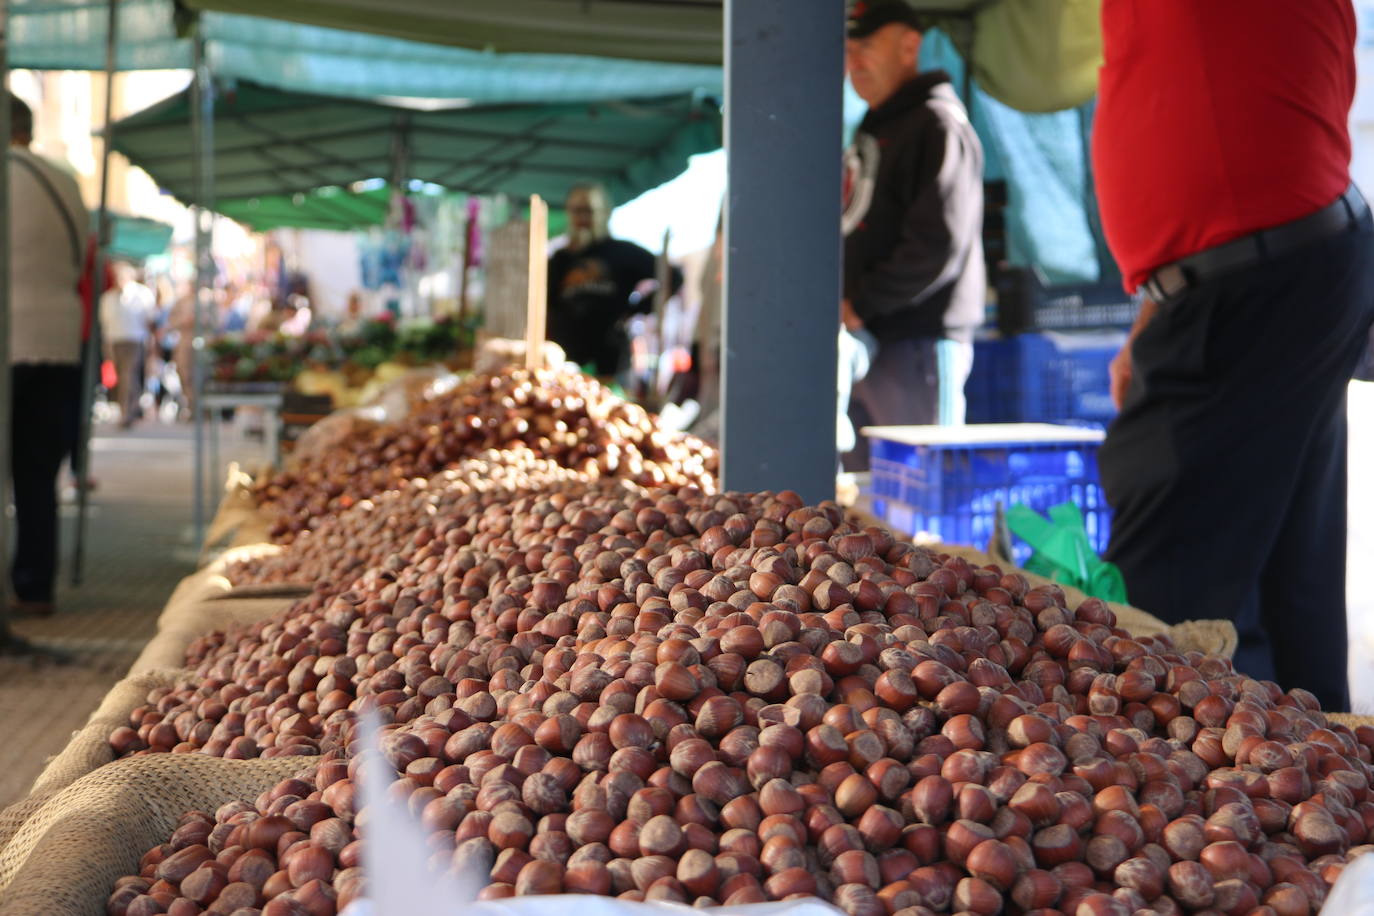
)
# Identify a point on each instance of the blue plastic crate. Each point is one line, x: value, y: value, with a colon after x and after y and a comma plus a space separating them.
x: 949, y: 481
x: 1049, y: 377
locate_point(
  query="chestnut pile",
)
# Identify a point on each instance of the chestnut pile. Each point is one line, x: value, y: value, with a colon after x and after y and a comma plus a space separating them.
x: 380, y: 531
x: 282, y: 686
x: 287, y: 854
x: 738, y: 698
x: 563, y: 416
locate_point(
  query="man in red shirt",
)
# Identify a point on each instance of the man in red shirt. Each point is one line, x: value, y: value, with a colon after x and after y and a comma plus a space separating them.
x: 1222, y: 160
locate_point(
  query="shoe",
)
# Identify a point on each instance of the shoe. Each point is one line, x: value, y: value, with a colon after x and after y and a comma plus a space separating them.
x: 22, y: 608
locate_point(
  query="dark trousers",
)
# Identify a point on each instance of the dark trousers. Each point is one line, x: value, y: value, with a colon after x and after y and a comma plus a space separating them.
x: 913, y: 382
x: 1226, y: 468
x: 39, y: 439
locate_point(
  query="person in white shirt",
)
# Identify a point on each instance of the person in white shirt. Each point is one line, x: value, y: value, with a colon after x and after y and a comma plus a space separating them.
x: 49, y: 225
x: 127, y: 312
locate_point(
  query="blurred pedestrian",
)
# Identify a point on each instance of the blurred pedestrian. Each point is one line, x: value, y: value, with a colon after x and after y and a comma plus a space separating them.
x: 914, y: 275
x: 127, y: 314
x: 1223, y: 173
x: 48, y: 229
x: 596, y: 284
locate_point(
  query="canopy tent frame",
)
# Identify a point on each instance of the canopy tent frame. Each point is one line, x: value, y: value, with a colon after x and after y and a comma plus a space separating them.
x: 90, y: 361
x: 272, y: 144
x: 203, y: 152
x: 10, y: 643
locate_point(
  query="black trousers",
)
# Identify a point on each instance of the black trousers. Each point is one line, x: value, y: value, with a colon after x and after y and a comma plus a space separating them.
x: 913, y: 382
x: 39, y: 439
x: 1227, y: 466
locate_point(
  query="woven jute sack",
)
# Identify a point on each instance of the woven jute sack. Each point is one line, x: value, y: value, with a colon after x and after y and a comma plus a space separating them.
x: 89, y: 747
x: 67, y: 855
x: 220, y: 613
x: 198, y: 586
x: 179, y: 626
x: 256, y: 529
x: 236, y: 506
x: 264, y: 590
x: 1350, y: 720
x: 212, y: 581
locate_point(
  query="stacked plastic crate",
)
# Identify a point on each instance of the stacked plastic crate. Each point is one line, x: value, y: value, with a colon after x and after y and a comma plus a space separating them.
x: 949, y: 481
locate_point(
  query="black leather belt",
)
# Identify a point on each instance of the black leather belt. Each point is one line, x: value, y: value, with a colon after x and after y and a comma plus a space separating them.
x: 1172, y: 279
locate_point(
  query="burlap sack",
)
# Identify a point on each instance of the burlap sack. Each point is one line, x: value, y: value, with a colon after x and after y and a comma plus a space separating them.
x: 89, y: 747
x: 67, y: 855
x: 1350, y: 720
x: 198, y: 586
x: 291, y: 590
x: 179, y: 626
x: 256, y: 529
x: 235, y: 507
x: 211, y: 581
x: 244, y: 554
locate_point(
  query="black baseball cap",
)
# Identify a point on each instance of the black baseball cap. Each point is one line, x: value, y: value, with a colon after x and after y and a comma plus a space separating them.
x: 868, y: 16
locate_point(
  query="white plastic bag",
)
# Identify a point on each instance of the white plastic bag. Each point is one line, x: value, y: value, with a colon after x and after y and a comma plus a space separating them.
x: 1353, y: 894
x: 1359, y: 599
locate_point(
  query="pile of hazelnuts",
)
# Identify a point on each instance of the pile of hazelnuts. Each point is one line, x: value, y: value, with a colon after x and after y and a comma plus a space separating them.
x: 734, y: 698
x: 382, y: 530
x: 563, y: 416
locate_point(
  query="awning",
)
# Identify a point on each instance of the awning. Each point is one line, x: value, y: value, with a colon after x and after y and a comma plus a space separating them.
x: 137, y: 237
x: 274, y: 151
x: 683, y: 31
x: 59, y: 35
x: 1034, y: 55
x: 325, y: 208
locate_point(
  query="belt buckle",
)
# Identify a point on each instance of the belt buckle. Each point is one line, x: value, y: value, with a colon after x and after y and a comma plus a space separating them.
x: 1167, y: 282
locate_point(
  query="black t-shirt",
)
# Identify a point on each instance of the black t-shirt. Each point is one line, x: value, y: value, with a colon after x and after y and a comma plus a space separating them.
x: 589, y: 299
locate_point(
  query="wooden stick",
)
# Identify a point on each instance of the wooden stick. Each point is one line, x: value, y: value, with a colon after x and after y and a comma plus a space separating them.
x: 536, y: 312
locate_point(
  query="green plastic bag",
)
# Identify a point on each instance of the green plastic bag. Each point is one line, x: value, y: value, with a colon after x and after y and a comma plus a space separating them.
x: 1062, y: 552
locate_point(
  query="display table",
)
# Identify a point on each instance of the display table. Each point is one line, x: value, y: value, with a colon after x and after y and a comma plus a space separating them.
x: 212, y: 402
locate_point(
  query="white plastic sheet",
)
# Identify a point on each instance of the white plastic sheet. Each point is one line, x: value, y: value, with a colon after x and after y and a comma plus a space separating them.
x: 1360, y: 547
x: 1353, y: 894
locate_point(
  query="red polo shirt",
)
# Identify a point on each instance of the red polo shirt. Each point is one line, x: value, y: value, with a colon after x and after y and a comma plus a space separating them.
x: 1217, y: 118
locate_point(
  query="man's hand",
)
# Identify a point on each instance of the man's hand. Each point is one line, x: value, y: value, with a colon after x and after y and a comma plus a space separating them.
x: 848, y: 317
x: 1120, y: 371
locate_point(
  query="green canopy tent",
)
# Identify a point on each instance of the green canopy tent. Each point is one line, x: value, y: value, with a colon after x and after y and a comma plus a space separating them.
x: 136, y: 238
x: 286, y: 158
x: 62, y: 35
x: 1034, y: 55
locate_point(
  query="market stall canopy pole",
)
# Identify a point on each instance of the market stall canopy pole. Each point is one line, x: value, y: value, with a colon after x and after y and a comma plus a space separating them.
x: 91, y: 355
x: 782, y: 246
x: 203, y: 196
x: 6, y: 389
x: 536, y: 314
x: 297, y: 159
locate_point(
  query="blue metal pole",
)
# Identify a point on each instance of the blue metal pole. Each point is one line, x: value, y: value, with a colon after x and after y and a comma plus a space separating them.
x: 783, y: 79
